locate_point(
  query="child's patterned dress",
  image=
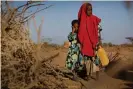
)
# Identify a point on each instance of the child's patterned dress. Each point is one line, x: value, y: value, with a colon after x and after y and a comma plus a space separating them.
x: 73, y: 52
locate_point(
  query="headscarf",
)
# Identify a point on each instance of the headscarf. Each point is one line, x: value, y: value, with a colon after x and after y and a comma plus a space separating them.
x: 88, y: 24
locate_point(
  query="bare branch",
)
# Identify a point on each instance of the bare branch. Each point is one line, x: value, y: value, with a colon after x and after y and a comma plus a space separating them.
x: 26, y: 8
x: 30, y: 16
x: 8, y: 7
x: 34, y: 23
x: 39, y: 30
x: 28, y: 3
x: 21, y: 6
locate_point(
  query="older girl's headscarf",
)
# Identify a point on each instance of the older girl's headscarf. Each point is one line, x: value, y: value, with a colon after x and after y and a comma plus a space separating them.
x: 89, y: 25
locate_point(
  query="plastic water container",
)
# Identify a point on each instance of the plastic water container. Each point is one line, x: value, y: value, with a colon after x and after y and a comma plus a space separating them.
x: 103, y: 56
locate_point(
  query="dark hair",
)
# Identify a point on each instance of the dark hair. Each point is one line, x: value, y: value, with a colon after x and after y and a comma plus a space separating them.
x: 88, y: 4
x: 74, y: 21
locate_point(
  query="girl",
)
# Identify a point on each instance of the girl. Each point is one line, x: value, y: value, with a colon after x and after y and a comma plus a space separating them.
x: 88, y: 35
x: 73, y: 52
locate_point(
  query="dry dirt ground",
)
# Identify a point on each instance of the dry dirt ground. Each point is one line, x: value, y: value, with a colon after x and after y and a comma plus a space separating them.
x: 105, y: 81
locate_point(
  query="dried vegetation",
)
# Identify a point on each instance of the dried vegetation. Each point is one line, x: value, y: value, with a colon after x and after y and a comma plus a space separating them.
x: 22, y: 67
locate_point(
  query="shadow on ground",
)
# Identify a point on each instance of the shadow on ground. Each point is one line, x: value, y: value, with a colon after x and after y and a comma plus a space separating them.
x: 123, y: 71
x: 129, y: 86
x: 120, y: 70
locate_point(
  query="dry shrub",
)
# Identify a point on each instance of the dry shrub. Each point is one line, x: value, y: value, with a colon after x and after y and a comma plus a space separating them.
x: 126, y: 45
x: 119, y: 64
x: 22, y: 68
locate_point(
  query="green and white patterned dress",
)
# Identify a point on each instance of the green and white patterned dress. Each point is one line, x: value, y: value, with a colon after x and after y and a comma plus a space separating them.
x: 73, y: 52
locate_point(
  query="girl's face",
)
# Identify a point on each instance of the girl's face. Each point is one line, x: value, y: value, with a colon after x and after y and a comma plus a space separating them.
x: 76, y: 26
x: 89, y: 10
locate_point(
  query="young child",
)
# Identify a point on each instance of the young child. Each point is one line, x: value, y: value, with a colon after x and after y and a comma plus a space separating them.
x: 74, y: 48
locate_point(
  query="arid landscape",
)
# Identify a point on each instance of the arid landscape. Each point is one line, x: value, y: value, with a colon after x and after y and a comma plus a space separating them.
x: 54, y: 56
x: 29, y: 65
x: 112, y: 78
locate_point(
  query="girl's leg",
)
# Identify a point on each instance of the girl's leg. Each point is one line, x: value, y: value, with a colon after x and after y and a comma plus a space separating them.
x: 74, y: 70
x: 89, y: 67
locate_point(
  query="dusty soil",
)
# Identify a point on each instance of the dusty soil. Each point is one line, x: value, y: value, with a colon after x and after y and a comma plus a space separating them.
x: 105, y: 81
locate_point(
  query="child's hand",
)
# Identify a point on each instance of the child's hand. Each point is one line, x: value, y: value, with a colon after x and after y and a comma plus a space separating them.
x: 73, y: 29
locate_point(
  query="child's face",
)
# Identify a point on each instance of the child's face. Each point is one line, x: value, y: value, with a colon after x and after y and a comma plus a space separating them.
x: 76, y: 26
x: 89, y: 10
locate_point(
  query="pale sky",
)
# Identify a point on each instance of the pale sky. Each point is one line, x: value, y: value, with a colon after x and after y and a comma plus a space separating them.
x: 116, y: 20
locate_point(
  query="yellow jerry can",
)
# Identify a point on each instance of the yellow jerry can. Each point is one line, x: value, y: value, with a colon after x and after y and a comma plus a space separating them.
x: 103, y: 56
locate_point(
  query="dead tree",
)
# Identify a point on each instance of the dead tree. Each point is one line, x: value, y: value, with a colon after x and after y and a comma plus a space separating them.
x: 20, y: 13
x: 19, y: 60
x: 130, y: 39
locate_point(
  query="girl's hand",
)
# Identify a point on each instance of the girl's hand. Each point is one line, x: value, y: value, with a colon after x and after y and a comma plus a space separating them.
x: 73, y: 30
